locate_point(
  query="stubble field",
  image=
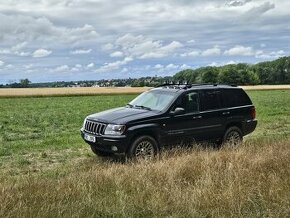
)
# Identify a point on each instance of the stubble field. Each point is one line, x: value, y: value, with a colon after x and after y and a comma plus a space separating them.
x: 46, y: 170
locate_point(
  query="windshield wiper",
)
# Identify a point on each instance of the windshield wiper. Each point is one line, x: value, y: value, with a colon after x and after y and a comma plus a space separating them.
x: 130, y: 105
x: 143, y: 107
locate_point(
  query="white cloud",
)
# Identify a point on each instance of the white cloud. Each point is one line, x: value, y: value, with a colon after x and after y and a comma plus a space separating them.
x: 191, y: 54
x: 239, y: 50
x: 191, y: 41
x: 117, y: 54
x: 215, y: 64
x: 185, y: 66
x: 78, y: 65
x: 2, y: 63
x: 15, y: 50
x: 172, y: 66
x: 40, y: 53
x: 270, y: 55
x: 91, y: 65
x: 108, y: 46
x: 81, y: 51
x: 19, y: 27
x: 113, y: 65
x: 61, y: 68
x: 211, y: 51
x: 143, y: 47
x: 158, y: 66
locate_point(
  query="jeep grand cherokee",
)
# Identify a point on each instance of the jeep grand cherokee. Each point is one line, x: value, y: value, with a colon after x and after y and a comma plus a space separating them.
x: 170, y: 114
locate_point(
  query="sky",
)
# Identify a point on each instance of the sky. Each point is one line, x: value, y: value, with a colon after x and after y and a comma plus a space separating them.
x: 66, y: 40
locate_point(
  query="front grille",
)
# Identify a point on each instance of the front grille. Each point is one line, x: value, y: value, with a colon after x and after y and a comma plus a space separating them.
x: 95, y: 127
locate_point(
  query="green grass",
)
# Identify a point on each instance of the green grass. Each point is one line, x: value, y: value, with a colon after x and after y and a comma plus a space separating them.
x: 47, y: 170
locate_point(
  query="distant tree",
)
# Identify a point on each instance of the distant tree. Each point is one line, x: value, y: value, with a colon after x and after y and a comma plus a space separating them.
x: 24, y: 83
x: 210, y: 75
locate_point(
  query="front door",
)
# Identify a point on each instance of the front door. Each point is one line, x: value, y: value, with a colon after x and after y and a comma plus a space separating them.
x: 187, y: 125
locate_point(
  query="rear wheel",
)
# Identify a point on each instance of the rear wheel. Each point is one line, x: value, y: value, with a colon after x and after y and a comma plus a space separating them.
x: 98, y: 152
x: 233, y: 136
x: 143, y: 148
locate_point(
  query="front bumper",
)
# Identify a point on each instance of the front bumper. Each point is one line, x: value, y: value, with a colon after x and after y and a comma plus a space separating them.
x: 110, y: 144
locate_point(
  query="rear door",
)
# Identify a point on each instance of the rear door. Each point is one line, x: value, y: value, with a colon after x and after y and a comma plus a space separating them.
x: 212, y: 112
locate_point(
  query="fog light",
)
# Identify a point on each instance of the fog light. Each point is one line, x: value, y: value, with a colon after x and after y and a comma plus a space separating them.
x: 114, y: 148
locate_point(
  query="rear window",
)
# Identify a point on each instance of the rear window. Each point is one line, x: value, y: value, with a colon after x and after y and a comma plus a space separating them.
x: 210, y: 100
x: 235, y: 98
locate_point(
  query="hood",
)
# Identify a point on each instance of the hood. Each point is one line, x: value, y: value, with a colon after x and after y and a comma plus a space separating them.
x: 122, y: 115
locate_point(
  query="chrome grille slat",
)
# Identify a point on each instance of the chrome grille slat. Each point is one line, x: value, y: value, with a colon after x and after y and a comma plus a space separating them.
x: 94, y: 127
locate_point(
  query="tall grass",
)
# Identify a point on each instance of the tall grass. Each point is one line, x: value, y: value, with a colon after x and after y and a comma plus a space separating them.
x: 250, y: 181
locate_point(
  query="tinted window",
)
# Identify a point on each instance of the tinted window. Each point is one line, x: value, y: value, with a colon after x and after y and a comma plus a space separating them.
x: 235, y: 97
x: 210, y: 100
x: 189, y: 102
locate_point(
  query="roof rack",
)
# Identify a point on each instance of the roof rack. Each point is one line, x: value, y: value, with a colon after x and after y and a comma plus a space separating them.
x: 188, y: 86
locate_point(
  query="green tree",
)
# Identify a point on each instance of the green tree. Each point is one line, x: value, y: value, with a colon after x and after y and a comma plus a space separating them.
x: 24, y: 83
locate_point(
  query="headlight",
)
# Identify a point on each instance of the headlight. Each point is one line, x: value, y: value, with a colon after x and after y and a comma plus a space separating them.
x: 113, y: 129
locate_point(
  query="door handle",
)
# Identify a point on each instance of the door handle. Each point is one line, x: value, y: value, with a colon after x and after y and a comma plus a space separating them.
x: 226, y: 113
x: 197, y: 117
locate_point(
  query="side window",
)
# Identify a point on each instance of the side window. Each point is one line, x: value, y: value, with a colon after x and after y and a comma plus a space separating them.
x: 189, y: 101
x: 210, y: 100
x: 235, y: 97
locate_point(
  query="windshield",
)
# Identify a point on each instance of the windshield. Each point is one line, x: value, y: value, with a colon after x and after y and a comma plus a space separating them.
x: 153, y: 100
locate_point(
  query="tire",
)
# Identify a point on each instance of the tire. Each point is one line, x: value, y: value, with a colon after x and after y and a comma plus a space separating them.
x: 99, y: 153
x: 143, y: 148
x: 233, y: 136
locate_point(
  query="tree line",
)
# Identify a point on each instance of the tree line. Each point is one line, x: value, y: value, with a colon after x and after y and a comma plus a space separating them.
x: 271, y: 72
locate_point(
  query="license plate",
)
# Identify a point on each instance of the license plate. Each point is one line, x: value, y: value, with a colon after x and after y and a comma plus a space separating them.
x: 90, y: 138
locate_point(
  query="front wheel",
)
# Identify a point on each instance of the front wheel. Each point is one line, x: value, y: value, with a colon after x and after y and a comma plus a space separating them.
x: 143, y: 147
x: 233, y: 136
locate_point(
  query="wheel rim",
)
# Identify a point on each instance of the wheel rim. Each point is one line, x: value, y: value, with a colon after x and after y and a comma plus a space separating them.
x: 233, y: 138
x: 144, y: 150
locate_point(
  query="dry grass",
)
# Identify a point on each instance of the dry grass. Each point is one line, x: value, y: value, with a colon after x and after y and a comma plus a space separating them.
x: 69, y: 91
x: 10, y: 92
x: 250, y: 181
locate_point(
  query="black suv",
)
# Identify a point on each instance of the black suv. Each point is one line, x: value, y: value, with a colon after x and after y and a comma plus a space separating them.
x: 171, y: 114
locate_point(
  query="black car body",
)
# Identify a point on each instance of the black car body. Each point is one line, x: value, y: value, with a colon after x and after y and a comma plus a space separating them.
x: 181, y: 112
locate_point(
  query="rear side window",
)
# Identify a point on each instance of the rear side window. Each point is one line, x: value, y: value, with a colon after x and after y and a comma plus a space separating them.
x: 210, y: 100
x: 235, y: 98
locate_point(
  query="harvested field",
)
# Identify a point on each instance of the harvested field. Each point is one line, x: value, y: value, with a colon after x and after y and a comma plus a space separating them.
x: 101, y: 90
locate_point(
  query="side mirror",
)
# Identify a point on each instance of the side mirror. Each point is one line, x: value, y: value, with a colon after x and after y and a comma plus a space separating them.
x: 178, y: 110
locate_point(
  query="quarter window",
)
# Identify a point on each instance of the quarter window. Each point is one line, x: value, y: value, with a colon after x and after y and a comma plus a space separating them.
x: 210, y: 100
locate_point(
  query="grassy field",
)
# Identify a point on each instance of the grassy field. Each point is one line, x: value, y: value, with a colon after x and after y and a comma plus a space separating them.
x: 46, y: 170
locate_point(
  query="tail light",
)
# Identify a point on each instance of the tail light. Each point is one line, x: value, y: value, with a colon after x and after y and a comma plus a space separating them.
x: 253, y: 113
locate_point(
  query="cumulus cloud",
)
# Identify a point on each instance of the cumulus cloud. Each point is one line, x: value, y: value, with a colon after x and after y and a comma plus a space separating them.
x: 237, y: 3
x: 16, y: 50
x: 270, y: 55
x: 81, y: 51
x: 20, y: 27
x: 107, y: 67
x: 62, y: 68
x: 40, y: 53
x: 1, y: 63
x: 257, y: 11
x: 143, y: 47
x: 91, y: 65
x: 117, y: 54
x: 211, y: 51
x: 239, y: 50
